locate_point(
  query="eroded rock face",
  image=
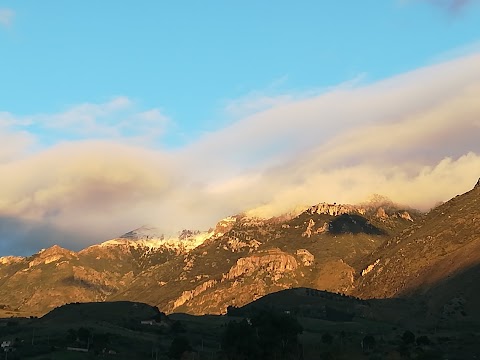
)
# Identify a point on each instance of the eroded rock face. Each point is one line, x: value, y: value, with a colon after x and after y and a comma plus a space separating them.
x: 217, y: 300
x: 225, y: 225
x: 236, y: 244
x: 370, y: 267
x: 306, y: 257
x: 323, y: 229
x: 275, y: 262
x: 308, y: 231
x: 311, y: 229
x: 405, y: 215
x: 190, y: 294
x: 7, y: 260
x: 381, y: 214
x: 335, y: 209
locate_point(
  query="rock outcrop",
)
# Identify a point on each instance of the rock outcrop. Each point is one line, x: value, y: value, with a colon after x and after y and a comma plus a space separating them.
x: 225, y: 225
x: 51, y: 255
x: 335, y: 209
x: 308, y: 230
x: 190, y: 294
x: 274, y: 262
x: 370, y: 267
x: 306, y: 257
x: 7, y: 260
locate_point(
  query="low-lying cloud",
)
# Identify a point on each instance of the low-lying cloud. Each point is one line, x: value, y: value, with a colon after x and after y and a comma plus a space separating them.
x: 413, y: 138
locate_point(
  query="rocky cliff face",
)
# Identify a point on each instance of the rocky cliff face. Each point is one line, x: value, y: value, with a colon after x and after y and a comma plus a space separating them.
x: 273, y: 263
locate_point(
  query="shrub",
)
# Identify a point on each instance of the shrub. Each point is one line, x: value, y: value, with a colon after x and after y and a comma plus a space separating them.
x: 423, y: 340
x: 408, y: 337
x: 179, y: 346
x: 327, y: 338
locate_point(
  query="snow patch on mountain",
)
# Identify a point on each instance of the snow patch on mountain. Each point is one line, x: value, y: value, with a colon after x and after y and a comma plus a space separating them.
x: 150, y: 237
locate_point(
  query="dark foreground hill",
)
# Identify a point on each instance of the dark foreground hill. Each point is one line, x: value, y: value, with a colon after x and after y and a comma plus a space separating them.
x: 317, y: 325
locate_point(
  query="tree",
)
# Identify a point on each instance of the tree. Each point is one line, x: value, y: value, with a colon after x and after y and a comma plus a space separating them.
x: 276, y: 332
x: 100, y: 342
x: 408, y: 337
x: 83, y: 334
x: 327, y: 338
x: 179, y: 346
x: 71, y: 335
x: 160, y: 317
x: 368, y: 343
x: 177, y: 327
x: 267, y: 334
x: 423, y: 340
x: 239, y: 340
x: 234, y: 311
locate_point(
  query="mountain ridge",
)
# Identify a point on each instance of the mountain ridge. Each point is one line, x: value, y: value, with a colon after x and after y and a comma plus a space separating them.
x: 332, y: 247
x: 195, y: 271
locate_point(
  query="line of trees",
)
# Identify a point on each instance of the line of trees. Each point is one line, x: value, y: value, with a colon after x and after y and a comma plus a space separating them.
x: 266, y: 335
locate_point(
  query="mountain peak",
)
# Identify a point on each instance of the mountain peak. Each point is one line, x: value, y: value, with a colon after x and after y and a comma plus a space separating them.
x: 50, y: 255
x: 55, y: 250
x: 153, y: 238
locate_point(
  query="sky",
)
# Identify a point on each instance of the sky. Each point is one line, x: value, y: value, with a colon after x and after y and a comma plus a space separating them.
x: 176, y: 114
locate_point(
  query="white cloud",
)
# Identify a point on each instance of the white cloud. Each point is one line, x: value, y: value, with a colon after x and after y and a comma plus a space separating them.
x: 318, y: 148
x: 118, y: 119
x: 6, y: 17
x: 13, y: 143
x: 413, y: 138
x: 272, y: 96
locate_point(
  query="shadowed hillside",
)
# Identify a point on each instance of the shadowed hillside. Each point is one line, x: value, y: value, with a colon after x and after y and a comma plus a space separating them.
x: 436, y: 260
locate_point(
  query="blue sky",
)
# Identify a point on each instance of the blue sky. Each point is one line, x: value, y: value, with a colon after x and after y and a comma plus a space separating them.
x: 116, y: 114
x: 192, y: 58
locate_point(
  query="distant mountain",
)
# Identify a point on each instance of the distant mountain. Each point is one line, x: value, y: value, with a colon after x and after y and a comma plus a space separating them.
x: 322, y: 247
x: 241, y: 259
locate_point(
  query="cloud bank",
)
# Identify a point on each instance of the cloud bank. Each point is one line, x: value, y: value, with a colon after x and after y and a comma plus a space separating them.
x: 413, y: 138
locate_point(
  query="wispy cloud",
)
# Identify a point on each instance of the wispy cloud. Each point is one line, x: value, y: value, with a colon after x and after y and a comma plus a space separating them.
x: 413, y: 138
x: 6, y: 17
x: 118, y: 119
x: 273, y: 96
x: 453, y: 6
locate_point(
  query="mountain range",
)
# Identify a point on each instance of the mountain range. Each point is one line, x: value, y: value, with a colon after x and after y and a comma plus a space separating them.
x: 373, y: 250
